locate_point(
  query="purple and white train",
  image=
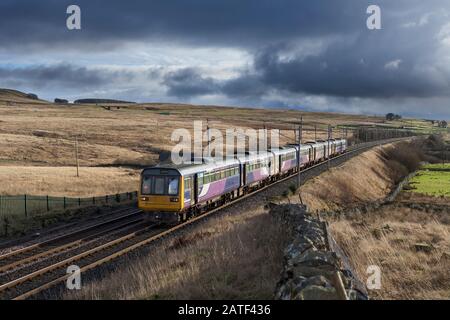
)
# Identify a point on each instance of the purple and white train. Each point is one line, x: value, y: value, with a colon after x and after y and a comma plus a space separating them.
x: 186, y: 190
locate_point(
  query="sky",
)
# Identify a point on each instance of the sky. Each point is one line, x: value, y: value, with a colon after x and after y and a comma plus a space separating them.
x: 310, y: 55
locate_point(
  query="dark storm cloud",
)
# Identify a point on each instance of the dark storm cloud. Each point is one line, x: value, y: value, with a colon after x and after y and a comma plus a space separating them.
x: 69, y: 76
x: 350, y: 70
x: 62, y: 74
x: 212, y: 22
x: 188, y: 82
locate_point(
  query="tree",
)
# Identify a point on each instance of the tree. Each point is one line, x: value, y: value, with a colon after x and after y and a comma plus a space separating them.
x: 390, y: 116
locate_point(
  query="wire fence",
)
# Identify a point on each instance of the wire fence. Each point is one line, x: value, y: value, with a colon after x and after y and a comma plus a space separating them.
x: 28, y: 206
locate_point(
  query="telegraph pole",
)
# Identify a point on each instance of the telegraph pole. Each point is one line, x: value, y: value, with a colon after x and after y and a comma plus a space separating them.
x: 300, y: 129
x: 315, y: 132
x: 329, y: 137
x: 76, y: 157
x: 207, y: 133
x: 265, y: 139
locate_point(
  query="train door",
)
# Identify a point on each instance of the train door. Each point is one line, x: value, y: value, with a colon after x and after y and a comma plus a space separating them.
x: 190, y: 185
x: 198, y: 184
x: 244, y: 173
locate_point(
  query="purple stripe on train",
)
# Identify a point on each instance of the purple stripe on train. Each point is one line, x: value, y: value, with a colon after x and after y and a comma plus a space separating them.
x: 217, y: 188
x: 289, y: 164
x: 257, y: 175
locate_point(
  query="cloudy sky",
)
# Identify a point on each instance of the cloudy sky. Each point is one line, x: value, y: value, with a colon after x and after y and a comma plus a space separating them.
x: 314, y: 55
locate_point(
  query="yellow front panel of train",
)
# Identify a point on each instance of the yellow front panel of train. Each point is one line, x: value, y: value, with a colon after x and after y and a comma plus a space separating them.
x: 163, y: 203
x: 160, y: 203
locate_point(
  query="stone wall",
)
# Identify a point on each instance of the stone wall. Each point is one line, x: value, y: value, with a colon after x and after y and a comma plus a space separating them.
x: 314, y: 267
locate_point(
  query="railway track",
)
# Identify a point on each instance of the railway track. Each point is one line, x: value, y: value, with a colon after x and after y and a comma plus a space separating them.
x: 35, y: 249
x: 27, y: 282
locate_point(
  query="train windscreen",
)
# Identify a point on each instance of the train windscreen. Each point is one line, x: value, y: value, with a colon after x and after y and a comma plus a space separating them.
x: 160, y: 182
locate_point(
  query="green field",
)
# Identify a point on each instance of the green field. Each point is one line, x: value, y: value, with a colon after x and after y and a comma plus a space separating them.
x: 433, y: 179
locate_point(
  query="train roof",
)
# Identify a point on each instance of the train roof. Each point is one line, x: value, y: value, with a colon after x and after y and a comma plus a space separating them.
x: 253, y: 156
x: 191, y: 168
x: 208, y: 164
x: 303, y: 146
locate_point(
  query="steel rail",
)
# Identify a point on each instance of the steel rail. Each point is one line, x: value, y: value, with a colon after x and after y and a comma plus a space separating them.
x: 132, y: 212
x: 65, y: 247
x: 72, y: 259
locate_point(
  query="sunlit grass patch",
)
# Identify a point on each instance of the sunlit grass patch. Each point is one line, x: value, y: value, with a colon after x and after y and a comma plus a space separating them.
x: 432, y: 180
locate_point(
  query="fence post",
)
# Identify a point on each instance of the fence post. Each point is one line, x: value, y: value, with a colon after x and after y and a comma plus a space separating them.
x: 48, y: 205
x: 64, y: 202
x: 106, y: 198
x: 79, y: 202
x: 93, y: 200
x: 118, y: 197
x: 6, y: 223
x: 25, y: 203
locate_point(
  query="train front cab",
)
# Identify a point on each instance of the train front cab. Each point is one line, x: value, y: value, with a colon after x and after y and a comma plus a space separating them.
x: 161, y: 192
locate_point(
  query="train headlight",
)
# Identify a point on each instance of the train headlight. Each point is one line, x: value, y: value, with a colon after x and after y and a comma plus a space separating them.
x: 144, y: 199
x: 174, y: 200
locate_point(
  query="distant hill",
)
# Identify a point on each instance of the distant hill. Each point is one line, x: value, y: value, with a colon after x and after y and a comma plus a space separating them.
x: 15, y: 96
x: 104, y: 101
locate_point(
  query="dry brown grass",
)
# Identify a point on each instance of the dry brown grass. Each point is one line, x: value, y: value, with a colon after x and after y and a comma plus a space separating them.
x: 360, y: 180
x: 62, y: 181
x: 387, y: 238
x: 230, y: 257
x: 366, y: 178
x: 45, y: 133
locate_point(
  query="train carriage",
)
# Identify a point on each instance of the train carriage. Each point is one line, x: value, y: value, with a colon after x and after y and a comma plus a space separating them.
x: 218, y: 179
x: 341, y: 146
x: 256, y: 168
x: 319, y: 150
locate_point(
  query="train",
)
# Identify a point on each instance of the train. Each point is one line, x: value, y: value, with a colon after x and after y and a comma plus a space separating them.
x: 179, y: 192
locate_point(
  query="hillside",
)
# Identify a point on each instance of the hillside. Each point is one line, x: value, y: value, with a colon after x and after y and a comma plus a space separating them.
x: 104, y: 101
x: 10, y: 96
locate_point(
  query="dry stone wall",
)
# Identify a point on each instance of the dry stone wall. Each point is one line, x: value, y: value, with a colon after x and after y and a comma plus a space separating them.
x: 314, y: 266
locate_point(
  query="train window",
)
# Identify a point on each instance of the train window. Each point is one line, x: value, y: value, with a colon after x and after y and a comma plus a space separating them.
x: 146, y: 184
x: 173, y: 186
x: 200, y: 179
x: 159, y: 185
x: 188, y: 183
x: 222, y: 174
